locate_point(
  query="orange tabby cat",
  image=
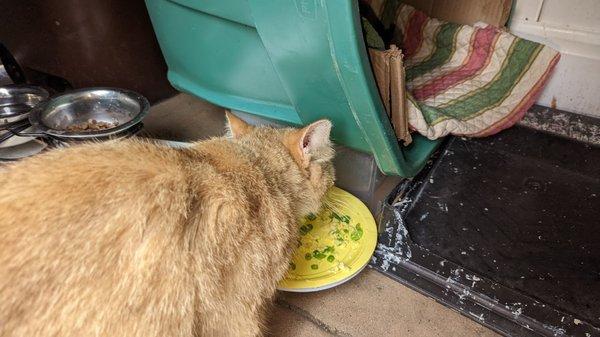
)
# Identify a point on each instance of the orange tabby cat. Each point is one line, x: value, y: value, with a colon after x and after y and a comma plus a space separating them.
x: 132, y: 238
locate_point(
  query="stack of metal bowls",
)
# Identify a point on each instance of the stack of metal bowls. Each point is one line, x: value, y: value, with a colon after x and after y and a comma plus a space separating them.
x: 76, y: 116
x: 81, y: 115
x: 16, y: 102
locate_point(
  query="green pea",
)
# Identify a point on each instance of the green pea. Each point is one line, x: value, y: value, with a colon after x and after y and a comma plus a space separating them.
x: 330, y: 258
x: 314, y: 266
x: 318, y: 255
x: 304, y: 229
x: 307, y: 256
x: 357, y: 233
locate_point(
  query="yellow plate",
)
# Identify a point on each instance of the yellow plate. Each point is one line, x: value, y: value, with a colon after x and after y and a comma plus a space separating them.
x: 335, y: 245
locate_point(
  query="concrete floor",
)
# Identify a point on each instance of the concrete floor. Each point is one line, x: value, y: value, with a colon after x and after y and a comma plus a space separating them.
x: 369, y: 305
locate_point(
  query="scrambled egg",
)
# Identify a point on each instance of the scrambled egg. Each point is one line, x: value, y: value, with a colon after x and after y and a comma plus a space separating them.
x: 327, y: 244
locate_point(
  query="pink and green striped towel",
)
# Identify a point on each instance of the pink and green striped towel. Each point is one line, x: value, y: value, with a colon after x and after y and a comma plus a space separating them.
x: 468, y: 80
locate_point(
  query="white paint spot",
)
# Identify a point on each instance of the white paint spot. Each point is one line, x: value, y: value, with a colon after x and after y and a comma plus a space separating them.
x: 479, y: 317
x: 576, y: 321
x: 464, y: 294
x: 555, y: 330
x: 517, y: 312
x: 463, y: 253
x: 424, y: 216
x: 456, y: 272
x: 474, y: 279
x: 385, y: 265
x: 389, y: 231
x: 431, y: 180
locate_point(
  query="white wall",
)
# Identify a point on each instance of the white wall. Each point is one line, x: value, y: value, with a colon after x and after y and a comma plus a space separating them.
x: 573, y: 28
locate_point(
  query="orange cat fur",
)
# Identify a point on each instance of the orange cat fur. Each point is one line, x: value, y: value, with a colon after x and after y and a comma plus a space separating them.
x: 131, y: 238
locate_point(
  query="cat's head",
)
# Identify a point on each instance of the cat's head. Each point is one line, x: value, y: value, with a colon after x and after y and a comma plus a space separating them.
x: 308, y: 148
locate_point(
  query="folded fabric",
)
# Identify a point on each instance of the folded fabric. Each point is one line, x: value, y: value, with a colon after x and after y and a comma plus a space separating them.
x: 468, y: 80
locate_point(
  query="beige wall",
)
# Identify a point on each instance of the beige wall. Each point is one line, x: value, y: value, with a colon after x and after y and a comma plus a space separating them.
x: 573, y: 28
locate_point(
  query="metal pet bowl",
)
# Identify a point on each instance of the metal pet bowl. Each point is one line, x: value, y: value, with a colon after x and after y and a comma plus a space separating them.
x: 116, y: 110
x: 17, y: 100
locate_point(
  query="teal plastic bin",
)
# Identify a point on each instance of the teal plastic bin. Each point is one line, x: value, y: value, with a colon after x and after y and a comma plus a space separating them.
x: 291, y: 61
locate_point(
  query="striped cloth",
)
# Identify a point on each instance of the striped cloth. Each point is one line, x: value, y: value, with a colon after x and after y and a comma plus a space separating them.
x: 468, y: 80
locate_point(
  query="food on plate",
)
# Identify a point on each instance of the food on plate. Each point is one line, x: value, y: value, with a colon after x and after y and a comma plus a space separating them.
x: 327, y: 242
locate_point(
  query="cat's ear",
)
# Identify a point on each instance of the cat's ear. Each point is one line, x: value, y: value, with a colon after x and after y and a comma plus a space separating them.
x: 306, y: 143
x: 235, y: 126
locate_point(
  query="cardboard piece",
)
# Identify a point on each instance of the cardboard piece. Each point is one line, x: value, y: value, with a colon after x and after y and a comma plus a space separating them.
x: 399, y: 112
x: 389, y: 75
x: 380, y: 63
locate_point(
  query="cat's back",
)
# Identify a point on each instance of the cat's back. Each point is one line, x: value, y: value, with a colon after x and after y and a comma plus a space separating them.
x: 85, y: 226
x: 98, y: 173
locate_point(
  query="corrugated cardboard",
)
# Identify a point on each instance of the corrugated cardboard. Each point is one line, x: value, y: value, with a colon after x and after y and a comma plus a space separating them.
x: 399, y: 114
x: 380, y: 63
x: 389, y: 75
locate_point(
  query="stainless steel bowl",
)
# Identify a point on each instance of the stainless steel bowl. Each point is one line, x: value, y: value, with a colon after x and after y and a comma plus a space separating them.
x: 56, y: 117
x: 17, y: 100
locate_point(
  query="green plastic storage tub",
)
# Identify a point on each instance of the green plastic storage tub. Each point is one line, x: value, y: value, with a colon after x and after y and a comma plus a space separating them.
x: 291, y: 61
